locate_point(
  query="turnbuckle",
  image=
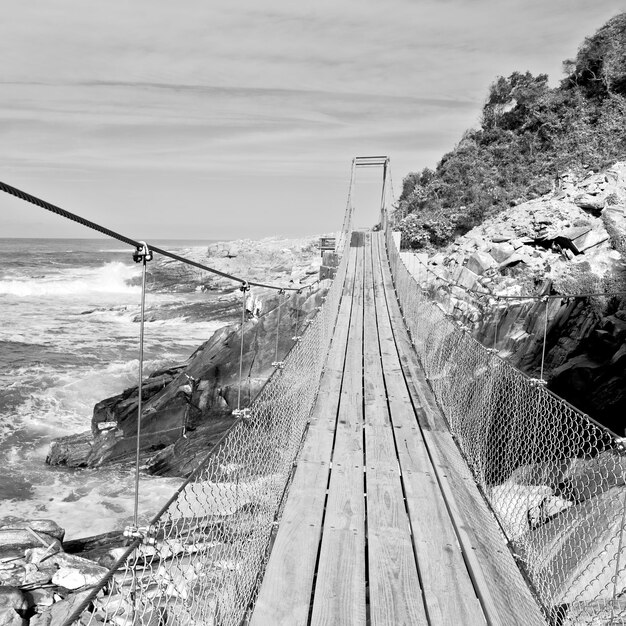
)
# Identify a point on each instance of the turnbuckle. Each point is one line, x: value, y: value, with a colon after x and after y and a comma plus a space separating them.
x: 142, y: 253
x: 147, y: 534
x: 278, y: 364
x: 538, y: 382
x: 244, y: 414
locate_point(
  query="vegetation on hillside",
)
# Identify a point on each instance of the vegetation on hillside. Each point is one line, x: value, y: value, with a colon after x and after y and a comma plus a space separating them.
x: 530, y: 135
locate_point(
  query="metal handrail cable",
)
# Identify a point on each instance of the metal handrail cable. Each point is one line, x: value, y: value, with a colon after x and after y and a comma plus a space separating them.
x: 26, y: 197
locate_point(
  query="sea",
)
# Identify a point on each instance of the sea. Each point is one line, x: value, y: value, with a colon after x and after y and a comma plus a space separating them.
x: 68, y: 339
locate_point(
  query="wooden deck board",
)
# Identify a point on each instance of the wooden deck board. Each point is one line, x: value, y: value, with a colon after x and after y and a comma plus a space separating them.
x: 448, y: 590
x: 339, y: 596
x: 394, y: 586
x: 505, y: 596
x: 421, y: 525
x: 285, y: 594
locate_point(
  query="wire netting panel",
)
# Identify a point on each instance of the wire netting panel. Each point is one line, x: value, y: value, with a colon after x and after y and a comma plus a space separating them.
x: 554, y: 478
x: 202, y: 560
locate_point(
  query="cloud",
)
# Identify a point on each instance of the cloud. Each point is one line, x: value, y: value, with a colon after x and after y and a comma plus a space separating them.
x: 120, y: 93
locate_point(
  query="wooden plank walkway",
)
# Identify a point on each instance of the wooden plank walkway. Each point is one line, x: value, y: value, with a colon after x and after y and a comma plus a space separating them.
x: 380, y: 524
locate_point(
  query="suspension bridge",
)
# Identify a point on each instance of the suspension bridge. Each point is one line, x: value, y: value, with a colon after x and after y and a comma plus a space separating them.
x: 391, y: 471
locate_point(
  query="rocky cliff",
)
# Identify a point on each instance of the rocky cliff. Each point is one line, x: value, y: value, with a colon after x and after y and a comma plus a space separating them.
x: 188, y: 406
x: 570, y: 242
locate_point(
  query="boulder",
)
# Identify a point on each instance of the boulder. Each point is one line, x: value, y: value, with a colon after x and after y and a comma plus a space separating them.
x: 13, y: 605
x: 479, y: 262
x: 42, y: 596
x: 12, y: 598
x: 590, y: 202
x: 59, y: 611
x: 465, y: 277
x: 12, y: 573
x: 15, y: 541
x: 588, y: 478
x: 9, y: 617
x: 71, y: 451
x: 232, y: 251
x: 570, y: 558
x: 512, y: 503
x: 514, y: 259
x: 72, y: 578
x: 502, y: 251
x: 41, y: 526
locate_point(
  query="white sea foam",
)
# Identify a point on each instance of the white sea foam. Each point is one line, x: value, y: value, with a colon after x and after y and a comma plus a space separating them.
x: 75, y: 344
x: 104, y: 497
x: 65, y: 402
x: 109, y: 278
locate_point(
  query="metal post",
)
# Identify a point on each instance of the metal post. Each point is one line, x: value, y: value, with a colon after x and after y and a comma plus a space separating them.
x: 280, y: 304
x: 244, y: 288
x: 495, y: 329
x: 142, y: 255
x: 545, y: 333
x: 383, y: 212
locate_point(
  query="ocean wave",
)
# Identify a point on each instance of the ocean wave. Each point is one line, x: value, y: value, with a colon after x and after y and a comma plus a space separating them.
x: 110, y: 278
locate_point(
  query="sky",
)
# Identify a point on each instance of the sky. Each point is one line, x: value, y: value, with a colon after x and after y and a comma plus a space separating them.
x: 217, y: 120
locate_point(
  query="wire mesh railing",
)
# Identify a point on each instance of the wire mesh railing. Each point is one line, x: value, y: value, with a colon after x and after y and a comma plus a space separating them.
x: 200, y: 559
x: 554, y: 478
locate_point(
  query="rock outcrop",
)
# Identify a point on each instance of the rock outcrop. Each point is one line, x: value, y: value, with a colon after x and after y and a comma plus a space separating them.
x: 40, y: 583
x: 188, y: 406
x: 571, y: 241
x: 563, y: 508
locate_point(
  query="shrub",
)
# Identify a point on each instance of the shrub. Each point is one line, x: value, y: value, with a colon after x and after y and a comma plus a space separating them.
x: 530, y: 135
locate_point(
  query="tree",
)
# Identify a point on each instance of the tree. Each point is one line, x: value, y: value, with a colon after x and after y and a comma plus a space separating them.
x: 600, y: 65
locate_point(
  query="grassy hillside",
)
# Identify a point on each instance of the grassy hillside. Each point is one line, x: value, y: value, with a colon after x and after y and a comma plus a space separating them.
x: 530, y: 136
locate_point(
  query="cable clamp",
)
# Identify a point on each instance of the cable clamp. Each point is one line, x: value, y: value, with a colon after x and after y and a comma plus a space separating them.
x: 244, y: 414
x: 538, y: 382
x: 318, y: 308
x: 493, y: 350
x: 147, y: 534
x: 278, y: 364
x: 296, y: 337
x: 245, y: 286
x: 142, y: 253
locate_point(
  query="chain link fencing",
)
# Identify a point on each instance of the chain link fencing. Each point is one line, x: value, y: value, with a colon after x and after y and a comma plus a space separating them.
x: 200, y: 560
x: 554, y: 478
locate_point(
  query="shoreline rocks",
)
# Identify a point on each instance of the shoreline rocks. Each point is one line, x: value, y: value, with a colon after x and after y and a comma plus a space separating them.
x: 39, y: 581
x: 188, y: 405
x: 559, y: 243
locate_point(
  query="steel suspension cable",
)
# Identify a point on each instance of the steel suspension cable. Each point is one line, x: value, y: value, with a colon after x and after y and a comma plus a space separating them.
x: 26, y: 197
